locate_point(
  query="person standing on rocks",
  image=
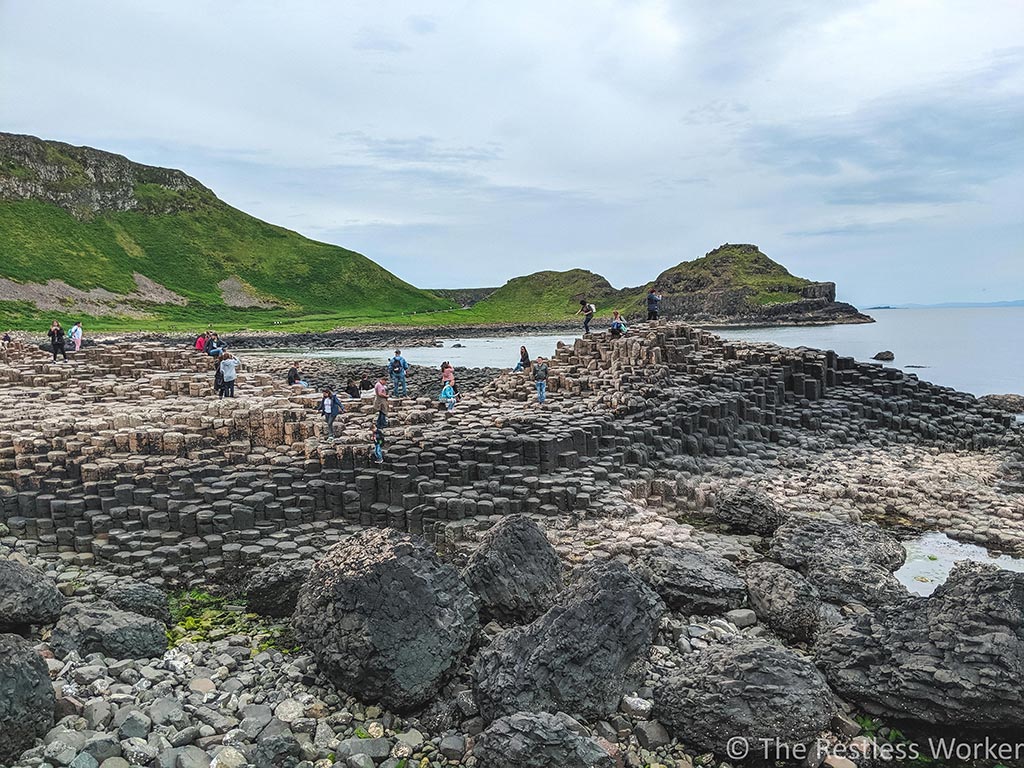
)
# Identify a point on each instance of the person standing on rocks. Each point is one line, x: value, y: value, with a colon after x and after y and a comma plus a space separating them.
x: 218, y: 379
x: 653, y: 304
x: 380, y: 395
x: 448, y: 378
x: 76, y: 335
x: 587, y: 310
x: 229, y: 368
x: 56, y: 334
x: 377, y: 438
x: 398, y: 366
x: 330, y: 406
x: 540, y: 379
x: 524, y: 361
x: 618, y: 326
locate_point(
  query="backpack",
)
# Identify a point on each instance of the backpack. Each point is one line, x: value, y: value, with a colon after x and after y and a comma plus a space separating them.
x: 396, y: 365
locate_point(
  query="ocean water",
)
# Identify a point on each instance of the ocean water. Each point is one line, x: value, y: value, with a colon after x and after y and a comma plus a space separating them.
x: 974, y: 349
x: 977, y: 350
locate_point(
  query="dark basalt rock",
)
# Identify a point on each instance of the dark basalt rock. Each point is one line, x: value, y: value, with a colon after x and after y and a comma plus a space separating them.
x: 26, y: 697
x: 885, y: 356
x: 785, y: 601
x: 274, y: 590
x: 693, y: 581
x: 575, y: 658
x: 101, y: 627
x: 804, y: 543
x: 27, y: 597
x: 858, y: 583
x: 515, y: 572
x: 748, y: 688
x: 385, y: 619
x: 746, y: 510
x: 141, y: 598
x: 537, y: 740
x: 954, y: 658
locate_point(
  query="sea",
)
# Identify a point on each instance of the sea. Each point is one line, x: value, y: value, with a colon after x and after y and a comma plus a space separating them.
x: 974, y: 349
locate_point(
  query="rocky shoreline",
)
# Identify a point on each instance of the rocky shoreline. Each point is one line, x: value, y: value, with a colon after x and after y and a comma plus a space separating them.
x: 687, y: 543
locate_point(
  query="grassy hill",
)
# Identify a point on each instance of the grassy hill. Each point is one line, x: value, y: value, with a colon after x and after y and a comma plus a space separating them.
x: 96, y: 220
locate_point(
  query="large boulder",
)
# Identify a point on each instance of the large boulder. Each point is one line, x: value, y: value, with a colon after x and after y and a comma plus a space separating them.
x: 747, y: 688
x: 537, y: 740
x: 102, y: 627
x: 785, y: 601
x: 805, y: 542
x: 867, y: 584
x: 27, y: 597
x: 746, y: 510
x: 274, y: 590
x: 385, y: 619
x: 141, y: 598
x: 956, y: 657
x: 575, y: 658
x: 26, y: 697
x: 693, y: 581
x: 515, y: 572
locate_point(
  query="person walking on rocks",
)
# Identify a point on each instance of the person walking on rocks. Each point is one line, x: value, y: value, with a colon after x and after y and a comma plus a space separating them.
x: 398, y: 366
x: 380, y: 395
x: 56, y: 334
x: 524, y: 361
x: 587, y: 310
x: 229, y: 368
x: 377, y: 438
x: 330, y: 406
x: 618, y: 326
x: 76, y: 335
x: 653, y: 304
x: 540, y: 379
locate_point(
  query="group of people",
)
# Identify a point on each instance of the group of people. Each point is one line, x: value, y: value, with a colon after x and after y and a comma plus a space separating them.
x: 210, y: 343
x: 225, y: 365
x: 60, y: 341
x: 538, y: 368
x: 618, y: 326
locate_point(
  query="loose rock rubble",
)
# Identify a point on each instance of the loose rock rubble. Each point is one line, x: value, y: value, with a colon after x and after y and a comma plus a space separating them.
x: 581, y: 581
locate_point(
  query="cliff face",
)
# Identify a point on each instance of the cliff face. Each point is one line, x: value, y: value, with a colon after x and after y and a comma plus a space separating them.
x: 86, y: 182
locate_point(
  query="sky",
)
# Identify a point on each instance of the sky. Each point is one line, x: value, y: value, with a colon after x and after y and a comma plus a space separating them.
x: 876, y: 144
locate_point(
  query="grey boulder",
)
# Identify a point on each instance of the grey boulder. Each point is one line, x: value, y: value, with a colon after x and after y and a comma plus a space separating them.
x: 576, y: 658
x: 274, y: 590
x: 101, y: 627
x: 515, y: 572
x: 746, y: 510
x: 537, y: 740
x: 804, y: 543
x: 747, y: 688
x: 785, y: 601
x: 954, y: 658
x: 27, y: 597
x: 385, y: 619
x: 141, y: 598
x: 693, y: 581
x: 26, y: 697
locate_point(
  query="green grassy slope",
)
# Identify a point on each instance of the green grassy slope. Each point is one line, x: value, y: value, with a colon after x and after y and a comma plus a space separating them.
x: 544, y: 297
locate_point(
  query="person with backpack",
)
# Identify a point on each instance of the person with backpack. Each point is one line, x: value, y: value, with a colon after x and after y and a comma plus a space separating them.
x: 618, y: 326
x: 56, y: 334
x: 330, y: 406
x: 397, y: 366
x: 653, y: 304
x: 76, y: 335
x: 228, y: 365
x: 524, y: 361
x: 587, y: 310
x: 540, y: 379
x: 377, y: 440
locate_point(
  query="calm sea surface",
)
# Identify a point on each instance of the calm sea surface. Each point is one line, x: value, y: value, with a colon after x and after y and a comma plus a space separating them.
x: 977, y: 350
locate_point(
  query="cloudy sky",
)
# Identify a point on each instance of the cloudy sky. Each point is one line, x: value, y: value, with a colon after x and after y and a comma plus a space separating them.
x: 878, y: 144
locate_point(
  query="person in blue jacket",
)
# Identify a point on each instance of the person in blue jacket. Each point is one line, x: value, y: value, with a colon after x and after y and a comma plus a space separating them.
x: 330, y: 406
x: 653, y: 304
x: 397, y: 366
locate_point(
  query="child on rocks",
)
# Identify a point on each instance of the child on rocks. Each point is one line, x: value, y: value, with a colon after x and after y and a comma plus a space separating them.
x: 377, y: 438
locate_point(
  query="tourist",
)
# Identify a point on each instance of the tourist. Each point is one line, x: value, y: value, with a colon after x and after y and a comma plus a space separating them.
x: 653, y: 304
x: 295, y: 376
x: 448, y: 377
x: 200, y: 344
x: 229, y: 368
x: 398, y: 366
x: 540, y: 379
x: 618, y: 326
x: 330, y: 406
x: 380, y: 395
x: 382, y: 420
x: 218, y: 378
x: 365, y: 384
x: 587, y: 310
x: 56, y: 335
x: 377, y: 438
x: 352, y: 390
x: 524, y: 361
x: 76, y: 335
x: 214, y: 346
x: 448, y: 397
x: 5, y: 342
